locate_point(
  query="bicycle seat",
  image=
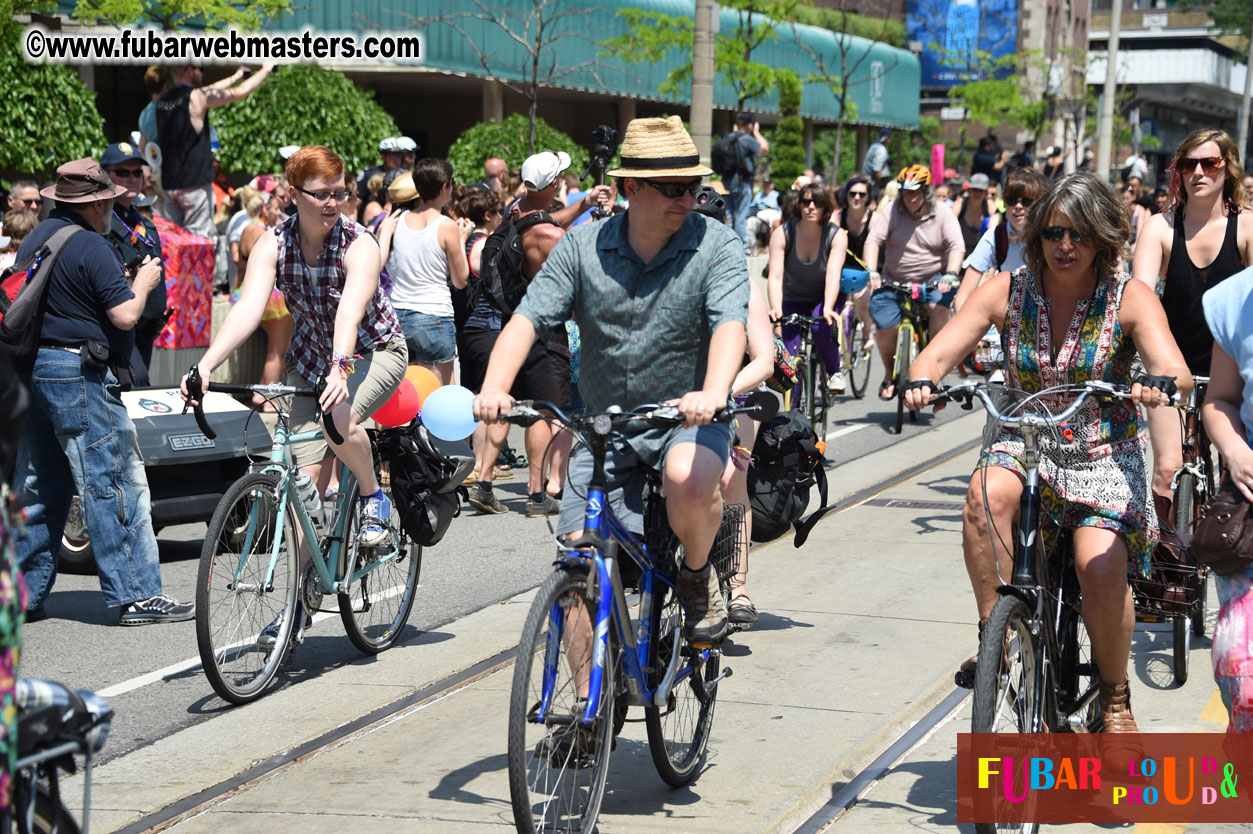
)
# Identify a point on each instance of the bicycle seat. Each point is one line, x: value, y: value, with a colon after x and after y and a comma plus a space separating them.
x: 50, y: 713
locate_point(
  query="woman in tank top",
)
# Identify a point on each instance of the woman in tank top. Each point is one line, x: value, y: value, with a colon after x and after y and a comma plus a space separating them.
x: 424, y: 251
x: 806, y: 258
x: 1205, y: 227
x: 856, y: 215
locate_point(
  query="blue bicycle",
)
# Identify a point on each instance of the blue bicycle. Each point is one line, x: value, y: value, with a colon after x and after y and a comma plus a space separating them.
x: 583, y: 661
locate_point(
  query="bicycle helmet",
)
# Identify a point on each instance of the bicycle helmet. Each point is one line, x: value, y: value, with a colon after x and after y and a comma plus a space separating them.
x: 913, y: 177
x: 711, y: 203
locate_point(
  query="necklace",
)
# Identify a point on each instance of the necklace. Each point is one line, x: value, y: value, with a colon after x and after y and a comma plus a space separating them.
x: 136, y: 234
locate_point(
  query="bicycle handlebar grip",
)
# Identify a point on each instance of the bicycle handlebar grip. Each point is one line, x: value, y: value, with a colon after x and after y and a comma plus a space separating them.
x: 195, y: 389
x: 328, y: 422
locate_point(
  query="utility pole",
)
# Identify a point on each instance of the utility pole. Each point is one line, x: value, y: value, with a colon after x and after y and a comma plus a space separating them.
x: 703, y: 77
x: 1244, y: 102
x: 1105, y: 138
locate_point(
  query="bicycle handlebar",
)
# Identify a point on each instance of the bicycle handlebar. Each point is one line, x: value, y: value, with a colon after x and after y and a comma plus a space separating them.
x: 965, y: 392
x: 908, y: 286
x: 196, y: 389
x: 526, y: 413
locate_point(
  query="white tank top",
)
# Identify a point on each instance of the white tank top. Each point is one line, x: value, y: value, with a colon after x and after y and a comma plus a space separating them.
x: 418, y: 268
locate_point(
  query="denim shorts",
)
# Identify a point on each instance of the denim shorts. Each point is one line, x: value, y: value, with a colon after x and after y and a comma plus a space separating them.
x: 885, y: 305
x: 432, y: 340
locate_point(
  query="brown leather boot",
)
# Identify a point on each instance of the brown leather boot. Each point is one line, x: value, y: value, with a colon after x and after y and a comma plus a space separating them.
x: 1164, y: 505
x: 1116, y: 714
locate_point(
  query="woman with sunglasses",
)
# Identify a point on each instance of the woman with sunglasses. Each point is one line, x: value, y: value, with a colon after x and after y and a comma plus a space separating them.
x: 855, y: 215
x: 806, y: 259
x: 1067, y: 316
x: 1206, y: 227
x: 327, y: 267
x: 1000, y: 247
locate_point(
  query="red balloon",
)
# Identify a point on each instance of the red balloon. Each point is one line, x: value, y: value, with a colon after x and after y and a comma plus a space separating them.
x: 401, y: 408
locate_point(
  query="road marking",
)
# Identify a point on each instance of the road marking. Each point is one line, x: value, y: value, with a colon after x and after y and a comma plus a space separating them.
x: 831, y: 435
x: 1215, y: 712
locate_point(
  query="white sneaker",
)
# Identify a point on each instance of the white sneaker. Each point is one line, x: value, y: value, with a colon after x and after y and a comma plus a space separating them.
x: 838, y: 382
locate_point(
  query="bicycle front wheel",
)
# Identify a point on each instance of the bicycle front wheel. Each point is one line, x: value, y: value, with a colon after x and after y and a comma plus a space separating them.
x: 558, y: 764
x: 858, y: 360
x: 678, y: 733
x: 246, y: 584
x: 904, y: 358
x: 1184, y: 503
x: 377, y: 604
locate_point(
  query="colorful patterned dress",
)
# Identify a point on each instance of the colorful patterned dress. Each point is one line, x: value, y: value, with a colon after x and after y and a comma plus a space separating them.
x: 12, y: 606
x: 1094, y: 476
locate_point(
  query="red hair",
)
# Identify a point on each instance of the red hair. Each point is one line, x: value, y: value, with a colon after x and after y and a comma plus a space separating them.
x: 314, y: 162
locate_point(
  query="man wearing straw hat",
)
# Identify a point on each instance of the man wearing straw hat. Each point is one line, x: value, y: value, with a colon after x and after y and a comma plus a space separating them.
x: 660, y: 294
x: 78, y: 433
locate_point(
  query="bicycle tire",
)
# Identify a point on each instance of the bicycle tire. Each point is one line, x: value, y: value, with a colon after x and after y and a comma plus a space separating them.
x: 904, y: 347
x: 1004, y: 696
x: 239, y: 540
x: 376, y: 607
x: 545, y: 784
x: 1076, y: 669
x: 1200, y: 588
x: 814, y: 410
x: 859, y: 360
x: 1184, y: 503
x: 678, y: 734
x: 1181, y: 647
x: 49, y: 814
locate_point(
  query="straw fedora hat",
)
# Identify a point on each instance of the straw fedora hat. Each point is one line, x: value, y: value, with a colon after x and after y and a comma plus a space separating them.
x: 659, y: 148
x: 402, y: 189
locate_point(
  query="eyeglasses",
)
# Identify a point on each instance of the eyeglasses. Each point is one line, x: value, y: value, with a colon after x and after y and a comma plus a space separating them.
x: 324, y: 196
x: 858, y: 194
x: 1054, y: 234
x: 1209, y: 164
x: 674, y: 190
x: 128, y: 173
x: 1025, y: 202
x: 808, y: 201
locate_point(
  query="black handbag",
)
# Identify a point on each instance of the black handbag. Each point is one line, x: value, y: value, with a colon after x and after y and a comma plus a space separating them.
x: 1223, y: 540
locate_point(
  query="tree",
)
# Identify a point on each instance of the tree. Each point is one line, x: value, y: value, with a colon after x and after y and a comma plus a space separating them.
x: 181, y: 14
x: 302, y: 105
x: 50, y: 116
x: 651, y: 36
x: 787, y: 142
x: 511, y: 140
x: 536, y: 28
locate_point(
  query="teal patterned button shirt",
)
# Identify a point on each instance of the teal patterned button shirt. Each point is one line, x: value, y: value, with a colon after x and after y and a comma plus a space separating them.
x: 645, y: 328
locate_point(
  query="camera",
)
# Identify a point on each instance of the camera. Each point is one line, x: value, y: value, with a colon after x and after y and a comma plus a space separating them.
x: 604, y: 143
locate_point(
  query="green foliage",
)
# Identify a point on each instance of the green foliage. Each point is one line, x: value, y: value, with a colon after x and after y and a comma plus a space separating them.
x: 1231, y: 17
x: 182, y: 14
x: 50, y: 117
x: 651, y: 36
x: 871, y: 28
x: 914, y: 147
x: 824, y: 149
x: 787, y: 149
x: 789, y: 93
x: 302, y: 105
x: 508, y: 140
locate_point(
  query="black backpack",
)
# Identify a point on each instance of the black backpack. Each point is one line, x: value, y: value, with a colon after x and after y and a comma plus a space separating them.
x: 726, y: 157
x: 426, y: 476
x: 787, y: 462
x: 502, y: 265
x: 23, y: 320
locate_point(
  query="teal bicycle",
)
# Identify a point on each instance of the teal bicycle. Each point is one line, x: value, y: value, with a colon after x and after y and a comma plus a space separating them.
x: 250, y: 581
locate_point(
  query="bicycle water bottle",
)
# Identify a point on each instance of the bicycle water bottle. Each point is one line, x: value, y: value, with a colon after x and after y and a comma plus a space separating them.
x: 308, y: 491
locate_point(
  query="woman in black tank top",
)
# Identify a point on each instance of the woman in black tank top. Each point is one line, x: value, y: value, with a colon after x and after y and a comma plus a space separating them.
x: 1185, y: 284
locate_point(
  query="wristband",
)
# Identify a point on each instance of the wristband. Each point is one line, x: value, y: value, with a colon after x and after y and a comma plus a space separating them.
x: 873, y: 275
x: 345, y: 362
x: 951, y: 276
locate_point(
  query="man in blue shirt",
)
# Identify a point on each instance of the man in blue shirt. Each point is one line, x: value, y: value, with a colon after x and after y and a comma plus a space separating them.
x: 78, y: 434
x: 740, y: 186
x: 660, y: 294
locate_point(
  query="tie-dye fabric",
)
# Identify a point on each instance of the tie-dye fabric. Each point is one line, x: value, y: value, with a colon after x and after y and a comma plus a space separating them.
x: 1232, y: 651
x: 12, y: 606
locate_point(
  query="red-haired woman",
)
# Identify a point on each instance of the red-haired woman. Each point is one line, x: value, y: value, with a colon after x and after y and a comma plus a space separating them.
x: 327, y: 266
x: 1207, y: 228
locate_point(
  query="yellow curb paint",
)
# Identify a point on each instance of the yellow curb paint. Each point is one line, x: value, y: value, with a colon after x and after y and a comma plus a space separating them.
x: 1215, y: 712
x: 1160, y: 828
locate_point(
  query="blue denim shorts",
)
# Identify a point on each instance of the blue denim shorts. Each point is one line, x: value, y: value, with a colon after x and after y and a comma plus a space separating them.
x: 885, y: 305
x: 432, y: 340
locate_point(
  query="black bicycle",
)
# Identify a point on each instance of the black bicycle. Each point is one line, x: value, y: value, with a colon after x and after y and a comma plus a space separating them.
x: 911, y: 338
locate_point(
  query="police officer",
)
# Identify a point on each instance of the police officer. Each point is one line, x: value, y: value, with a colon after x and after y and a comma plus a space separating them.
x: 134, y: 236
x: 78, y: 433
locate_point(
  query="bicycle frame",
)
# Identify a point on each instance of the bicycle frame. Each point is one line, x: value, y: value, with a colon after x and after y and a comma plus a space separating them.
x: 1197, y: 457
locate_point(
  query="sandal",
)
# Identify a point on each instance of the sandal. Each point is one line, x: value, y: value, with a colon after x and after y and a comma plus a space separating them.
x: 741, y: 611
x: 886, y: 386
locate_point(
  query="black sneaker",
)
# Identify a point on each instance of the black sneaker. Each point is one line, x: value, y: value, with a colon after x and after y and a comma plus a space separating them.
x: 548, y: 506
x: 704, y: 609
x: 158, y: 609
x: 485, y: 501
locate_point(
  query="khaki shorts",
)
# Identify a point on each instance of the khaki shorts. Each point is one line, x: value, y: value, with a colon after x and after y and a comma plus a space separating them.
x: 377, y: 376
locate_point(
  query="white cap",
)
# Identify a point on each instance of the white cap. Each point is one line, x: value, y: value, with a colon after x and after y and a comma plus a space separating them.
x: 285, y: 153
x: 390, y: 145
x: 539, y: 171
x: 406, y: 144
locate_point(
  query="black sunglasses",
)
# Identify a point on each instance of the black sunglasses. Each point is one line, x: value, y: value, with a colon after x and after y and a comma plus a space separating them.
x: 1054, y: 234
x: 1026, y: 202
x: 852, y: 194
x: 674, y: 190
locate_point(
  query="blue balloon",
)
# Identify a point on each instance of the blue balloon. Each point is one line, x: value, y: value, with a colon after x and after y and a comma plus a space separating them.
x: 448, y: 412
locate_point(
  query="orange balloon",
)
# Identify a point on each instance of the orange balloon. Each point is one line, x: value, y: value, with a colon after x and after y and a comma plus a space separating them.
x: 424, y: 381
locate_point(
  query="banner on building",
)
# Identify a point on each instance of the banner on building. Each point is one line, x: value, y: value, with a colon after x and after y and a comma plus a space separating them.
x: 959, y: 38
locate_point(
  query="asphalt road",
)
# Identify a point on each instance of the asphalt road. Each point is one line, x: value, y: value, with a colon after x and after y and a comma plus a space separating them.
x: 481, y: 561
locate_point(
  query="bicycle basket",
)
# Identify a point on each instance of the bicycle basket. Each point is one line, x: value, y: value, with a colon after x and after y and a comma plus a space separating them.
x: 729, y: 542
x: 1167, y: 590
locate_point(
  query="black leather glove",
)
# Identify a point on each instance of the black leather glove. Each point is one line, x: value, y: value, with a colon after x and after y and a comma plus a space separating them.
x: 1165, y: 384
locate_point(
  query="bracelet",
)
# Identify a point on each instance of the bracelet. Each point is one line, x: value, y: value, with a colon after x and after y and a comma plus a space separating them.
x: 345, y: 362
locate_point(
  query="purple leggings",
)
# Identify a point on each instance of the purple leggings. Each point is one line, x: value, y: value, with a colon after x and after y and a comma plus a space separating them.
x: 824, y: 340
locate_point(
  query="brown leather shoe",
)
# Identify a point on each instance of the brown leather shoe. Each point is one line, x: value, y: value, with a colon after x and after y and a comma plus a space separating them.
x: 965, y: 677
x: 1116, y: 714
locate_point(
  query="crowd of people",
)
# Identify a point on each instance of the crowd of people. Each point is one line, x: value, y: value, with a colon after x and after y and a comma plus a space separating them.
x: 354, y: 277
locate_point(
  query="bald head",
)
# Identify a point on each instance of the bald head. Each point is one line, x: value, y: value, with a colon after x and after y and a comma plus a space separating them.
x: 494, y: 171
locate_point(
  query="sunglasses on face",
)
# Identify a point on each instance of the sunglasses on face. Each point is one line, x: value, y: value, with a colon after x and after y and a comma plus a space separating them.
x: 1025, y: 202
x: 674, y: 190
x: 1054, y: 234
x: 128, y: 173
x: 808, y: 201
x: 33, y: 203
x: 858, y: 194
x: 1209, y: 164
x: 324, y: 196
